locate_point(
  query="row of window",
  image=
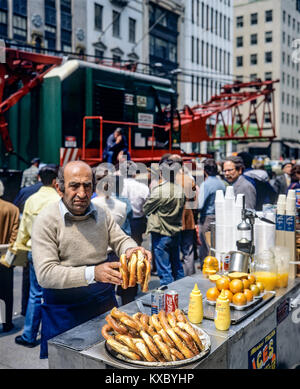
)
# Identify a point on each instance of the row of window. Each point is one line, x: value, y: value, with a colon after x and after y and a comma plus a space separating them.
x: 211, y: 20
x: 209, y: 55
x: 289, y: 80
x: 254, y: 39
x: 288, y: 99
x: 202, y: 88
x: 286, y: 60
x: 291, y: 22
x: 116, y: 23
x: 254, y: 18
x: 254, y: 59
x: 285, y: 118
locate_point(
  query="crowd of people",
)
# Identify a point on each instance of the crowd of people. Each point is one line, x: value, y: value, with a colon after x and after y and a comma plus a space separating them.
x: 74, y: 222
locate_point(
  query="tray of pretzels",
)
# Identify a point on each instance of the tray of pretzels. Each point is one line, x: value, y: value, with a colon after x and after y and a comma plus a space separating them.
x: 135, y: 270
x: 158, y: 340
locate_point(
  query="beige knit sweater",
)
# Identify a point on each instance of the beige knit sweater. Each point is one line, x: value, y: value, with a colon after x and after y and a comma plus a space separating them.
x: 63, y: 248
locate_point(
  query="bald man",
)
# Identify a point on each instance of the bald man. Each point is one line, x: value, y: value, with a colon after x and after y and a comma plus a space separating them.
x: 69, y: 246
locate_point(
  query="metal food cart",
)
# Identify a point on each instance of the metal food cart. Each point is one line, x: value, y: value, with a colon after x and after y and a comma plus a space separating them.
x: 265, y: 337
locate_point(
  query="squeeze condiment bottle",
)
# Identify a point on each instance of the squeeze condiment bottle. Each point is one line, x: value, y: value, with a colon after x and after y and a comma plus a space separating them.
x: 222, y: 312
x: 195, y: 313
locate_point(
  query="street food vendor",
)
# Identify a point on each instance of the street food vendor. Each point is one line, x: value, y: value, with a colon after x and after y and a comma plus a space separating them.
x: 69, y: 246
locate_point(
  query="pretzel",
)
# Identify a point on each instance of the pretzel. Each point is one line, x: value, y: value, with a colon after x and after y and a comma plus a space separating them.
x: 188, y: 340
x: 161, y: 337
x: 124, y: 271
x: 163, y: 347
x: 132, y: 265
x: 140, y: 267
x: 105, y: 331
x: 180, y: 316
x: 136, y: 270
x: 153, y: 349
x: 118, y: 327
x: 179, y: 344
x: 190, y: 330
x: 172, y: 319
x: 124, y: 350
x: 127, y: 340
x: 176, y: 355
x: 140, y: 344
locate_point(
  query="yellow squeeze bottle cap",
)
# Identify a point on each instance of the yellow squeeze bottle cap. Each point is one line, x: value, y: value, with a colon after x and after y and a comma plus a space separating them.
x: 196, y: 289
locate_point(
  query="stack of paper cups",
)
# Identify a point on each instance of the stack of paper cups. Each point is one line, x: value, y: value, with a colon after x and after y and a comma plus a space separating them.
x: 238, y: 214
x: 220, y: 214
x: 229, y: 221
x: 264, y: 233
x: 290, y: 228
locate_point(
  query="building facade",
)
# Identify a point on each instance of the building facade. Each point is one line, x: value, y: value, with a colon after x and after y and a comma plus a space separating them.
x: 206, y: 56
x: 265, y: 44
x: 50, y: 24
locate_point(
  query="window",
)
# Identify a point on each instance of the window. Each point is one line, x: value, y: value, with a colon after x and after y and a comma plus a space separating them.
x: 283, y: 77
x: 282, y: 117
x: 239, y: 41
x: 268, y: 56
x: 253, y: 39
x: 116, y: 23
x: 132, y: 28
x: 198, y: 51
x: 3, y: 19
x: 98, y: 17
x: 282, y: 97
x: 202, y: 52
x: 99, y: 54
x: 253, y: 76
x: 239, y: 61
x: 50, y: 13
x: 283, y: 57
x: 269, y: 16
x: 239, y: 21
x: 268, y: 76
x: 283, y: 16
x: 20, y: 20
x: 50, y: 37
x: 192, y: 49
x: 283, y: 36
x: 268, y: 36
x: 253, y: 59
x: 254, y: 18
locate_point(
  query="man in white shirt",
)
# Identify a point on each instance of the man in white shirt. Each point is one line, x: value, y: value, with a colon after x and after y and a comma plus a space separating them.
x: 137, y: 193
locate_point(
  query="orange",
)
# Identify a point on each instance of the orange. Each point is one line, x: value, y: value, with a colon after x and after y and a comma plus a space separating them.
x: 246, y: 283
x: 214, y: 277
x: 255, y: 290
x: 249, y: 295
x: 261, y: 286
x: 239, y: 299
x: 211, y: 261
x: 222, y: 283
x: 237, y: 275
x: 228, y: 294
x: 236, y: 286
x: 251, y: 279
x: 212, y: 294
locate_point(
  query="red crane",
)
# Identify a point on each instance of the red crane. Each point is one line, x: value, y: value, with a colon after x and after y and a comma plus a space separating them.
x: 231, y: 114
x: 20, y: 67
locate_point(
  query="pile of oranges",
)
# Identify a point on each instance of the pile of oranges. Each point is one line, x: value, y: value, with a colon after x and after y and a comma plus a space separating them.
x: 239, y: 291
x: 210, y: 266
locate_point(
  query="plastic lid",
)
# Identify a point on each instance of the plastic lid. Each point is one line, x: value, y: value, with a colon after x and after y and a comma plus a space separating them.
x: 229, y: 192
x: 219, y: 196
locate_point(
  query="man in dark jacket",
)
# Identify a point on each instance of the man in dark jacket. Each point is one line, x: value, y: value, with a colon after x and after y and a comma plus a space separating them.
x: 116, y: 146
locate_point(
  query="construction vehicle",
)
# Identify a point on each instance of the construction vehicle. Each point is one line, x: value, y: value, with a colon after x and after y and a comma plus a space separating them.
x: 65, y: 110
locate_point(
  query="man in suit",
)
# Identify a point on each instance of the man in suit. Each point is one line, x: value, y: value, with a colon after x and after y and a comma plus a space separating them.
x: 283, y: 181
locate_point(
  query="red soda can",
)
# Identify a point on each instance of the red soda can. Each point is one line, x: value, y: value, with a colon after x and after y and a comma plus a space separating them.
x: 171, y: 301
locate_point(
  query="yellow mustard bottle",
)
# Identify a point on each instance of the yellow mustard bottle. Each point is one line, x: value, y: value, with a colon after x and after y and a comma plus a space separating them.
x: 222, y: 312
x: 195, y: 313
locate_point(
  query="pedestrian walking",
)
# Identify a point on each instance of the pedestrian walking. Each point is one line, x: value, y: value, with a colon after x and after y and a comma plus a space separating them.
x: 9, y: 224
x: 164, y: 210
x: 46, y: 195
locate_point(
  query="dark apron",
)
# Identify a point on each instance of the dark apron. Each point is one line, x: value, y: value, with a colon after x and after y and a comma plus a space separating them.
x: 63, y: 309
